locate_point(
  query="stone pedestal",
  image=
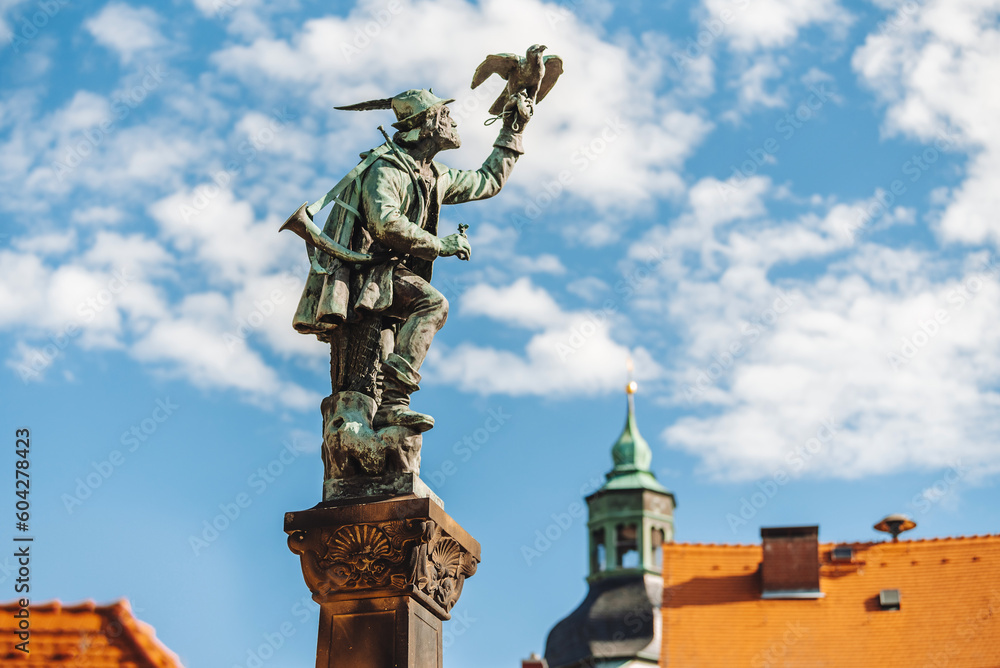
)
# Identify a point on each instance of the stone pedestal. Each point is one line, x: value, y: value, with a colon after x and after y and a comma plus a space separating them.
x: 366, y: 489
x: 385, y: 574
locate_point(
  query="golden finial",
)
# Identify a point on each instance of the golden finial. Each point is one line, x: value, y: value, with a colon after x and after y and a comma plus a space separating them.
x: 632, y: 385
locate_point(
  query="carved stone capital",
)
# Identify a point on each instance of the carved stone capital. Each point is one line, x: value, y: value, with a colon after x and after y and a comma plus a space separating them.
x: 402, y: 546
x: 442, y: 566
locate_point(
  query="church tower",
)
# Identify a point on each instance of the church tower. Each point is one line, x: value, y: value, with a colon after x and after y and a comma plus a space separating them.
x: 631, y: 515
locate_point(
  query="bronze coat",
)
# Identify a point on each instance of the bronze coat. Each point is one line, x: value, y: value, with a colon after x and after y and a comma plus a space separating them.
x: 386, y: 204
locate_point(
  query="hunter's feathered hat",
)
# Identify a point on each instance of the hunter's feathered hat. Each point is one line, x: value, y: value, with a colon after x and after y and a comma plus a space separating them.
x: 409, y: 106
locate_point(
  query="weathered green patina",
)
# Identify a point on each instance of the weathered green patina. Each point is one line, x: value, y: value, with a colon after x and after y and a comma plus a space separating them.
x: 368, y: 293
x: 632, y: 457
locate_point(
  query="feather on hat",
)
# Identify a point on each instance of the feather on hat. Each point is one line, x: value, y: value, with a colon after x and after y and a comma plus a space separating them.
x: 409, y: 106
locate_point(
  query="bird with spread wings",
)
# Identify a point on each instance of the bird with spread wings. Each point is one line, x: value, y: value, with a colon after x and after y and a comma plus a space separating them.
x: 529, y: 79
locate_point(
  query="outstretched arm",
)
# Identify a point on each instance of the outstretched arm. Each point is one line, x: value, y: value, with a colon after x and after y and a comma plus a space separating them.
x: 466, y: 185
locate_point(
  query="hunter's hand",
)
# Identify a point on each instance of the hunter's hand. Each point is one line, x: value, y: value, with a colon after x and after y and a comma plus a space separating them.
x: 455, y: 244
x: 518, y: 111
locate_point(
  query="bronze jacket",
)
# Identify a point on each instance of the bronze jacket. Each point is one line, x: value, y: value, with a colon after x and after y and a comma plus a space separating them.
x: 378, y: 212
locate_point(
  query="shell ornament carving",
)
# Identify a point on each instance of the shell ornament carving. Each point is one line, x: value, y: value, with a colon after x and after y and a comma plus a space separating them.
x: 369, y: 555
x: 359, y: 555
x: 397, y: 555
x: 445, y: 569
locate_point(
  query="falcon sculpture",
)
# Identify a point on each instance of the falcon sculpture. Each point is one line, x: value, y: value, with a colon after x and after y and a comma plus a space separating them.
x: 529, y: 79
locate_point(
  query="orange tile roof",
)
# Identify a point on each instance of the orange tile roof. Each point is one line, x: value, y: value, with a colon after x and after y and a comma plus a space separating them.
x: 85, y: 635
x: 950, y: 615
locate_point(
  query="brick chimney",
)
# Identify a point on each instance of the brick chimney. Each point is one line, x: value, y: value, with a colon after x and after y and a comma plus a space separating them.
x: 790, y: 568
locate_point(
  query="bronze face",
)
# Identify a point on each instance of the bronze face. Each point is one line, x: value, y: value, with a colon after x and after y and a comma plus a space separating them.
x: 446, y: 129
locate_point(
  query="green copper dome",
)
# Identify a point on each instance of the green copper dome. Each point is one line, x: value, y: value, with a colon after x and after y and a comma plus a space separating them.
x: 632, y: 456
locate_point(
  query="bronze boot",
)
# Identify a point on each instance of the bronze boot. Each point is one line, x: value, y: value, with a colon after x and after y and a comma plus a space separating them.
x: 399, y: 381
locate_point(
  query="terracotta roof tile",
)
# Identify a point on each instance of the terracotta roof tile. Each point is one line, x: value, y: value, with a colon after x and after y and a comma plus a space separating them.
x: 84, y: 635
x: 713, y: 614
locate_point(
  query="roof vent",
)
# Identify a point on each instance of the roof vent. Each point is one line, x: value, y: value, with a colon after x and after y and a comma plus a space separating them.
x: 895, y: 524
x: 842, y: 553
x: 790, y: 568
x: 534, y: 661
x: 889, y: 599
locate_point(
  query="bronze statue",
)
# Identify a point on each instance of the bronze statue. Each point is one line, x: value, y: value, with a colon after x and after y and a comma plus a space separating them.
x: 368, y: 292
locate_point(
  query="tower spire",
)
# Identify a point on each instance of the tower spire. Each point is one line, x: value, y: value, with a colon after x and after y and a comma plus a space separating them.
x: 631, y: 453
x: 629, y: 519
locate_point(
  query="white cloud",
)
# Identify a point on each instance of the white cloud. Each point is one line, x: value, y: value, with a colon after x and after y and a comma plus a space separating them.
x: 126, y: 30
x: 194, y: 343
x: 909, y: 380
x: 624, y: 151
x: 521, y: 304
x: 589, y: 288
x: 143, y: 256
x: 56, y: 243
x: 935, y: 68
x: 569, y: 353
x: 769, y: 24
x: 496, y: 246
x: 97, y: 215
x: 84, y: 111
x: 93, y: 143
x: 290, y: 143
x: 882, y: 341
x: 263, y: 308
x: 7, y: 32
x: 753, y: 83
x: 111, y: 296
x: 212, y: 225
x: 31, y: 363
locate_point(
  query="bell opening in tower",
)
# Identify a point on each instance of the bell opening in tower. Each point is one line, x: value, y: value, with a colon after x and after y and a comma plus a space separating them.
x: 599, y: 554
x: 628, y: 546
x: 656, y: 536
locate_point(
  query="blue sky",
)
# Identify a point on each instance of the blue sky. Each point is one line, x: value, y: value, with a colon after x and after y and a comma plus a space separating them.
x: 784, y: 210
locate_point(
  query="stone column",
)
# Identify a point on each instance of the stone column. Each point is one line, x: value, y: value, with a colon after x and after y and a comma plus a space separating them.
x: 385, y: 574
